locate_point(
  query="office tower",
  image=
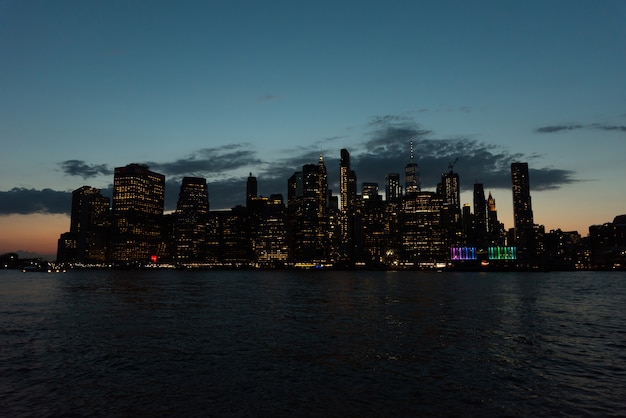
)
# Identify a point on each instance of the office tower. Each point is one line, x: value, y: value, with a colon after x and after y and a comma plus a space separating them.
x: 370, y: 191
x: 347, y: 196
x: 308, y: 220
x: 86, y: 241
x: 422, y: 235
x: 190, y: 221
x: 411, y: 176
x: 393, y: 189
x: 495, y: 230
x: 480, y: 216
x: 522, y: 211
x: 137, y: 211
x: 270, y: 245
x: 344, y: 169
x: 449, y: 190
x: 251, y: 189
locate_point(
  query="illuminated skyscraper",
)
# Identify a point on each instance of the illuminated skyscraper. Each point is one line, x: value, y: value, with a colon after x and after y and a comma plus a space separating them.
x: 190, y: 221
x: 412, y: 176
x: 347, y: 192
x: 137, y: 212
x: 522, y: 210
x: 308, y: 220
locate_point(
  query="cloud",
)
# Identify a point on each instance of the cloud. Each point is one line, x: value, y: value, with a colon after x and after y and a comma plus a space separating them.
x: 384, y: 150
x: 572, y: 127
x: 387, y: 151
x: 210, y: 162
x: 26, y: 201
x: 84, y: 170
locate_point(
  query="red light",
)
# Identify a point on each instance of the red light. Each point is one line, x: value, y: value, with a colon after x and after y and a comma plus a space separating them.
x: 153, y: 258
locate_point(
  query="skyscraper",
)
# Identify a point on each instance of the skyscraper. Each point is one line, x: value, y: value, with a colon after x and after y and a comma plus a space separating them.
x: 412, y: 176
x: 480, y: 216
x: 393, y: 189
x: 190, y: 221
x: 251, y: 189
x: 522, y: 211
x: 89, y: 224
x: 347, y: 192
x: 137, y: 211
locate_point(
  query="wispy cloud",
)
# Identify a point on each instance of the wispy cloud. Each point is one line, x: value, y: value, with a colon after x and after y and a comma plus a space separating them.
x: 82, y: 169
x: 577, y: 126
x: 384, y: 150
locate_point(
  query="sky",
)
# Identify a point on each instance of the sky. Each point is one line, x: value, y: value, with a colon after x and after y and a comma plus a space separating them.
x: 222, y: 89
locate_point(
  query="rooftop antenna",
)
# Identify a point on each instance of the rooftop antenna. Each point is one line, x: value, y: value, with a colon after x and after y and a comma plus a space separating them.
x: 451, y: 165
x: 411, y: 151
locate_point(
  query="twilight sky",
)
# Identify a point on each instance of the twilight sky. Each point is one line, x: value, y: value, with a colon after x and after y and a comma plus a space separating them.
x: 219, y: 89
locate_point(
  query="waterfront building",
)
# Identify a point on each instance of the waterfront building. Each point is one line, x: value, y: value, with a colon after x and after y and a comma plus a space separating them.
x: 495, y: 229
x: 422, y: 236
x: 347, y: 194
x: 86, y: 242
x: 308, y: 215
x: 137, y: 211
x: 522, y: 211
x: 270, y: 240
x: 480, y: 217
x: 190, y: 221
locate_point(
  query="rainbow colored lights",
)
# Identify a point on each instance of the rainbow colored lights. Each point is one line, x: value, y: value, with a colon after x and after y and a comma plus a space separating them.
x: 463, y: 253
x: 502, y: 253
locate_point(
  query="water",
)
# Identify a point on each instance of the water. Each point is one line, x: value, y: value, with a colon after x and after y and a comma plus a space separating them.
x: 286, y: 343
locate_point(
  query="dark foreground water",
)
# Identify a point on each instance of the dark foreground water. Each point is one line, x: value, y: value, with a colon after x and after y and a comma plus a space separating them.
x: 250, y: 343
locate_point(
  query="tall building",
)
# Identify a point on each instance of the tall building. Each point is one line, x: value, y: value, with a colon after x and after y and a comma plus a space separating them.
x: 251, y: 189
x: 393, y: 189
x: 190, y: 221
x: 412, y: 175
x: 522, y: 211
x: 495, y: 229
x: 347, y: 196
x: 450, y: 192
x: 89, y: 224
x: 480, y: 216
x: 137, y: 212
x: 308, y: 209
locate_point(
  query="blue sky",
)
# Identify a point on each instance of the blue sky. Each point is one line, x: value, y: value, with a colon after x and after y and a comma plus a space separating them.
x: 222, y: 88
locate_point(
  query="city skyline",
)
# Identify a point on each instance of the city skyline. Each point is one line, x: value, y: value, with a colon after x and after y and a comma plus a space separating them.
x: 221, y: 90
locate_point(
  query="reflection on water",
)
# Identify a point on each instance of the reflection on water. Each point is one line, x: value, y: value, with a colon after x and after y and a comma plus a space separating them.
x: 233, y: 343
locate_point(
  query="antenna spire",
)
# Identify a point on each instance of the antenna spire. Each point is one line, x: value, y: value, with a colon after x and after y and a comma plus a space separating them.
x: 411, y: 151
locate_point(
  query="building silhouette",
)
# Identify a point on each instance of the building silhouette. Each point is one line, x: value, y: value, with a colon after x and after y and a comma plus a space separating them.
x: 412, y: 183
x: 417, y: 229
x: 87, y: 239
x: 522, y: 212
x: 137, y: 214
x: 190, y: 221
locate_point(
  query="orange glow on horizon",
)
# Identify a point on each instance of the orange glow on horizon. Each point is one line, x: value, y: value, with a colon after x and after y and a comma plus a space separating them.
x: 35, y: 233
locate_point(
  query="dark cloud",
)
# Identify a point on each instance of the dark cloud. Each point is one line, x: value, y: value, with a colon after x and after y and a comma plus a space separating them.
x: 619, y: 128
x: 209, y: 162
x: 26, y: 201
x: 84, y: 170
x: 571, y: 127
x: 385, y: 150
